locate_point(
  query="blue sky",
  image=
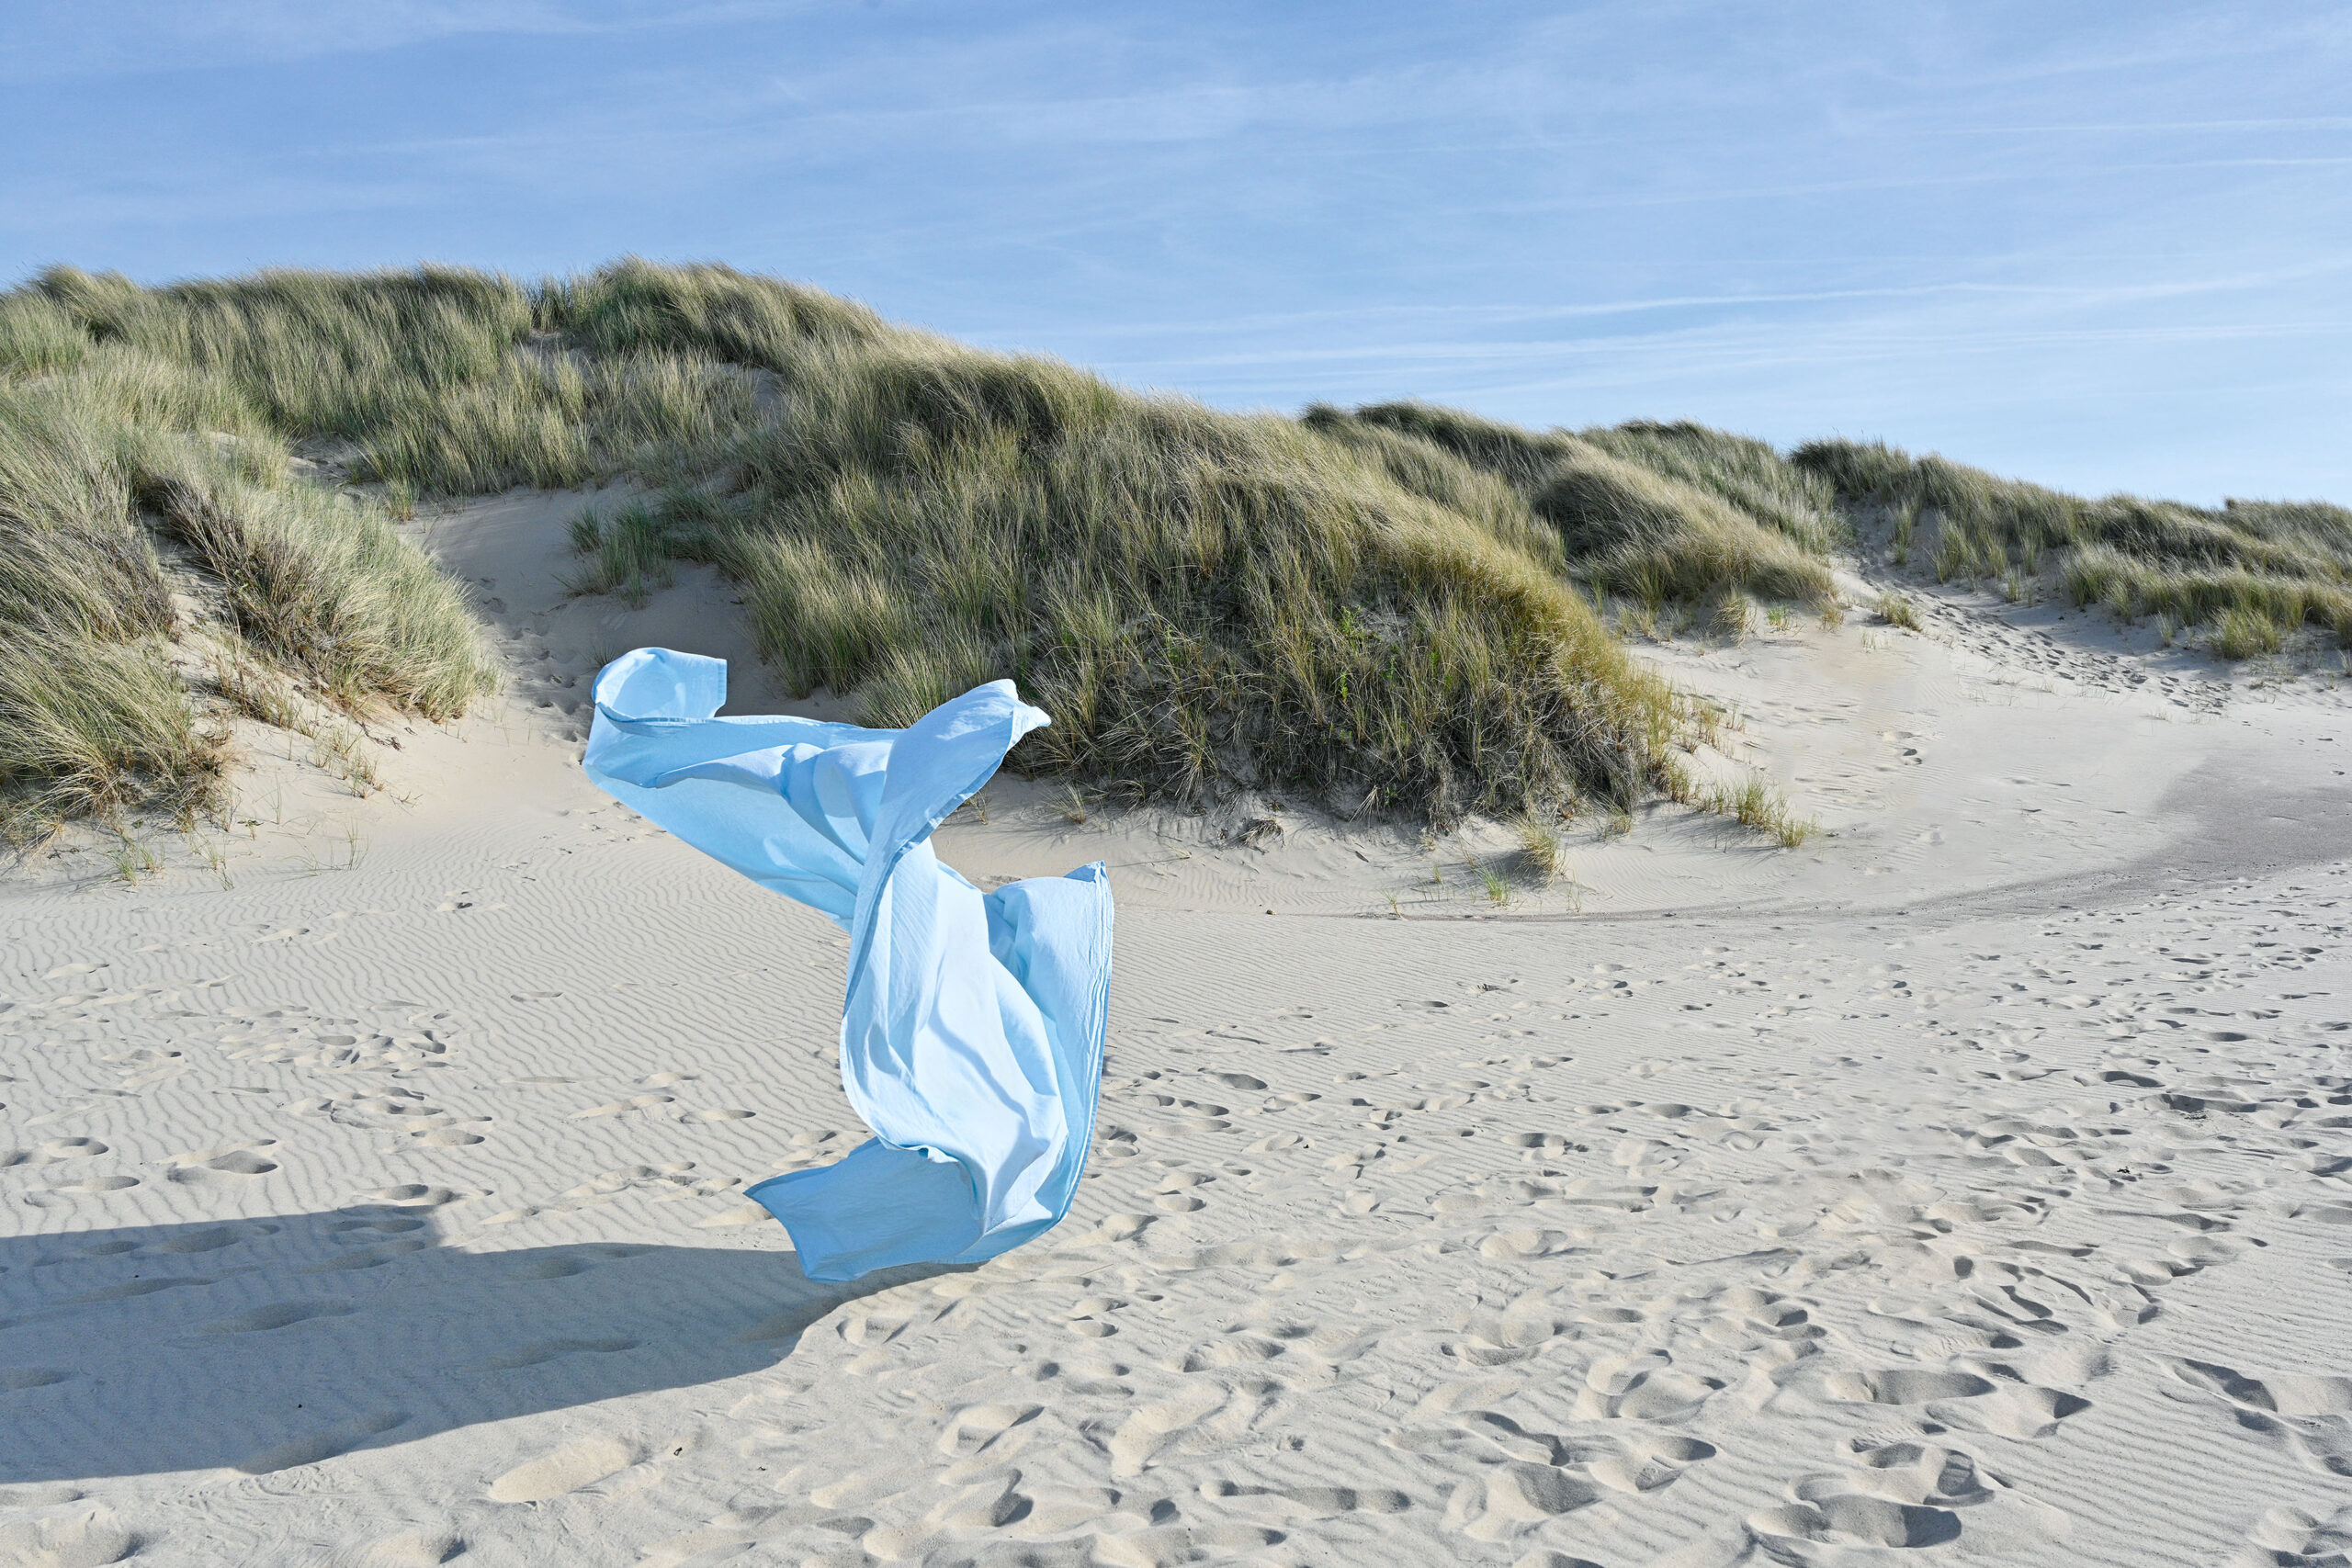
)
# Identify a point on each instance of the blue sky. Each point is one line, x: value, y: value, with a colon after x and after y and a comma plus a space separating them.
x: 2102, y: 245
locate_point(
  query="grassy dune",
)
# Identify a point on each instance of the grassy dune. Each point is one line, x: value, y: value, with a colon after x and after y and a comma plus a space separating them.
x: 2249, y: 573
x: 139, y: 487
x: 1202, y: 599
x: 1395, y: 608
x: 1651, y: 511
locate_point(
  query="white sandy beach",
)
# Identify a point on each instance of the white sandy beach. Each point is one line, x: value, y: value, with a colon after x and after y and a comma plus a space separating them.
x: 1972, y: 1184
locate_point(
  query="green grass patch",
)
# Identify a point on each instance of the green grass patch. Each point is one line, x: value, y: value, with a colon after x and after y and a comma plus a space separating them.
x: 2250, y: 573
x: 1204, y: 600
x: 1397, y: 608
x: 1754, y: 803
x: 115, y: 457
x: 1896, y: 610
x: 1648, y: 511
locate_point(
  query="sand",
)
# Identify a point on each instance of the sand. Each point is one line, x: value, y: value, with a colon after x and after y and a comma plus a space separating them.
x: 1969, y: 1184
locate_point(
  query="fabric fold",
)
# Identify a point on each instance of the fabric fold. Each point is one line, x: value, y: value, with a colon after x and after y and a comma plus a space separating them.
x: 972, y: 1027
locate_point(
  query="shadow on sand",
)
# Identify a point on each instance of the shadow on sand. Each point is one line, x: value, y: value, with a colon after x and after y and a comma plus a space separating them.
x: 258, y: 1345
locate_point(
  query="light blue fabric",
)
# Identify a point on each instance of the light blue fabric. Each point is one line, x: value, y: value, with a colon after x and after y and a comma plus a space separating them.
x: 972, y: 1033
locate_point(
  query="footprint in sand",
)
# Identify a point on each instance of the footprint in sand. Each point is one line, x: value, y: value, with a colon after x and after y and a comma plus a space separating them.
x: 622, y: 1107
x: 1176, y: 1544
x: 446, y: 1137
x: 279, y: 1314
x: 1904, y: 1386
x: 413, y: 1195
x: 2016, y: 1412
x: 1965, y: 1399
x: 88, y: 1186
x: 212, y: 1164
x: 980, y: 1428
x: 1513, y: 1498
x: 1650, y: 1461
x: 1155, y: 1426
x: 2290, y: 1535
x: 89, y: 1539
x: 1638, y: 1387
x: 1234, y: 1349
x: 1851, y: 1520
x: 410, y: 1548
x: 582, y: 1462
x: 17, y: 1380
x: 1288, y: 1502
x: 2303, y: 1413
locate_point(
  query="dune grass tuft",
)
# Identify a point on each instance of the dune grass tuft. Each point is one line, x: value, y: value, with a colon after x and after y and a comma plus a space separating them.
x: 115, y: 457
x: 1542, y: 846
x: 1754, y: 803
x: 628, y: 554
x: 1645, y: 511
x: 89, y: 728
x: 2251, y: 572
x: 1202, y: 599
x: 1740, y: 470
x: 1896, y: 610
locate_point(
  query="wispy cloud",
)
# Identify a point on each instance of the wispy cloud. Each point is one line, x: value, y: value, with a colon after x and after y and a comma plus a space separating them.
x: 57, y: 39
x: 1771, y: 215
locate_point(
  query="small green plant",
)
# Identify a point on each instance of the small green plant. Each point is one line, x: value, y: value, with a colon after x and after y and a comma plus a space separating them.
x: 257, y: 692
x: 344, y: 751
x: 1896, y: 610
x: 353, y: 852
x: 1779, y: 617
x: 1617, y: 824
x: 1833, y: 614
x: 1498, y: 885
x: 1734, y: 617
x: 627, y: 555
x: 132, y: 859
x: 1542, y: 849
x: 2286, y: 560
x: 1754, y: 803
x: 2243, y: 633
x: 1072, y: 806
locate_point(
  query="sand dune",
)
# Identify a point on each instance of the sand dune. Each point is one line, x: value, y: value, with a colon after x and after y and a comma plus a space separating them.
x: 1968, y: 1185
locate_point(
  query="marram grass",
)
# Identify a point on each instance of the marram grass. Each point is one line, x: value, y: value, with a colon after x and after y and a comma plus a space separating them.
x: 1392, y: 609
x: 114, y: 457
x: 2250, y: 573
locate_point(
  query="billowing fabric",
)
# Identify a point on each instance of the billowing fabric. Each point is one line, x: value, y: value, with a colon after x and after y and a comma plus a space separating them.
x: 972, y: 1031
